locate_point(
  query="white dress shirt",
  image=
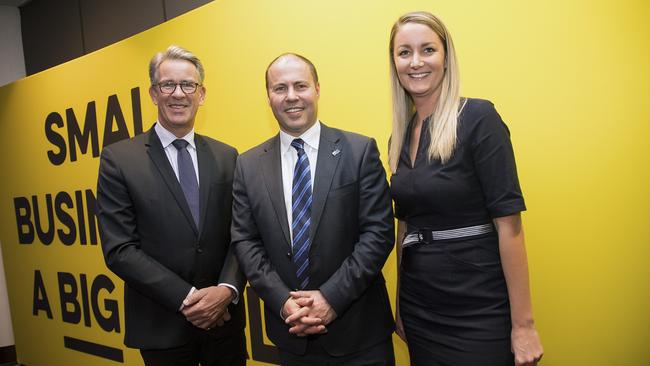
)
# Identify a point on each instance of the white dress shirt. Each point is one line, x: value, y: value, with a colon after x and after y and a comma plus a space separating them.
x: 289, y: 157
x: 166, y: 139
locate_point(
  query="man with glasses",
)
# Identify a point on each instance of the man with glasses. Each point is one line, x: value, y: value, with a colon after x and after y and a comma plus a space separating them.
x: 164, y: 206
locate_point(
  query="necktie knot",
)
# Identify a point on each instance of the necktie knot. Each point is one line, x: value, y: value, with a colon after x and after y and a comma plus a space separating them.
x: 298, y: 144
x: 180, y: 144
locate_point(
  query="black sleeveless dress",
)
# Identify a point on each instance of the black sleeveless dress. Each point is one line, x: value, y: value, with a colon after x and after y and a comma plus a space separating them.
x: 453, y: 296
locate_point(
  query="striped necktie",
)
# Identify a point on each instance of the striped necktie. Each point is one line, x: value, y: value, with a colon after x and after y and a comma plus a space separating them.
x: 301, y: 213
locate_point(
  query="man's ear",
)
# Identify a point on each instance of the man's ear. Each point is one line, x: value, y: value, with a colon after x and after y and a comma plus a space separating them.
x: 202, y: 90
x: 152, y: 94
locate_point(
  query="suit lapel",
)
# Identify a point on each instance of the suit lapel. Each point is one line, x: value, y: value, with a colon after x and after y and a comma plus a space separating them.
x: 328, y: 161
x: 272, y: 171
x: 158, y: 156
x: 206, y: 163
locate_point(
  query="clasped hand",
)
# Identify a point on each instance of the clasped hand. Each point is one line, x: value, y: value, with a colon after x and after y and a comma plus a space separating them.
x: 526, y: 345
x: 307, y: 312
x: 208, y: 306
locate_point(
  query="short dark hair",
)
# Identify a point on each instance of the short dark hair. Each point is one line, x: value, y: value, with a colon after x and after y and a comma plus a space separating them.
x: 312, y: 68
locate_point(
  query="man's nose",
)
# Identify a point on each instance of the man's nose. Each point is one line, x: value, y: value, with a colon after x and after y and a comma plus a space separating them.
x: 178, y: 92
x: 292, y: 95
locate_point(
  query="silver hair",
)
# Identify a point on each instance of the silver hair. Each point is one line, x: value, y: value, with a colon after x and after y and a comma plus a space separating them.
x: 174, y: 53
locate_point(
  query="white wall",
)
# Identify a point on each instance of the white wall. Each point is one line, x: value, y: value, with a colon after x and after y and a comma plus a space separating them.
x: 6, y: 332
x: 12, y: 60
x: 12, y: 67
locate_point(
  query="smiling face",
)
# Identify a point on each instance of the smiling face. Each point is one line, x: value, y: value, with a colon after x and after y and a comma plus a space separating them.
x: 293, y: 94
x: 176, y: 111
x: 419, y: 56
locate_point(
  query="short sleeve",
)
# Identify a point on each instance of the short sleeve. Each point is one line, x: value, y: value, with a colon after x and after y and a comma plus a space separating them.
x: 494, y: 162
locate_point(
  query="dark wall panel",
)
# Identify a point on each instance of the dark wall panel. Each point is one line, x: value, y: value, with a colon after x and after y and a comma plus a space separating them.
x: 58, y: 31
x: 174, y: 8
x: 51, y: 33
x: 106, y: 22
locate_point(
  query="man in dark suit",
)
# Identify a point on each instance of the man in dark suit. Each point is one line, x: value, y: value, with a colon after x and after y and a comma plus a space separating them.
x: 164, y: 206
x: 314, y: 252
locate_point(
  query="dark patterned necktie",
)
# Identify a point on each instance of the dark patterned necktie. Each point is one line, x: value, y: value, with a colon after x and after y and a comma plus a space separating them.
x: 301, y: 213
x: 187, y: 178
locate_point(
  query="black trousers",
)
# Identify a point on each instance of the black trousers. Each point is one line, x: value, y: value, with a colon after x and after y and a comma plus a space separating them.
x: 381, y: 354
x: 204, y: 350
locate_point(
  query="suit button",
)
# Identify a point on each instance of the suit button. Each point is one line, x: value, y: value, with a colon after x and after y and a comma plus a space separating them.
x: 289, y: 255
x: 199, y: 250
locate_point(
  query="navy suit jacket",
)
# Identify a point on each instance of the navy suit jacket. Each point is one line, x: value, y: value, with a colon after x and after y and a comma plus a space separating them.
x: 351, y: 233
x: 150, y: 240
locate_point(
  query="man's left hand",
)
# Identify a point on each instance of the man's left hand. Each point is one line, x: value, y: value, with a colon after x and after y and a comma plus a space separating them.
x: 208, y: 306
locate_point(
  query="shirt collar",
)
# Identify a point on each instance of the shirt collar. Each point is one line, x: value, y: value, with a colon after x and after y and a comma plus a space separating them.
x: 166, y: 137
x: 311, y: 137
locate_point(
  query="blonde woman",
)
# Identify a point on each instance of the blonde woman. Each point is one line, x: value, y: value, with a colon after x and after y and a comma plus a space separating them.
x: 463, y: 293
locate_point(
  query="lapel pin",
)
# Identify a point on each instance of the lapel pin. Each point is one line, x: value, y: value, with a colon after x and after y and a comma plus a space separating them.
x: 336, y: 152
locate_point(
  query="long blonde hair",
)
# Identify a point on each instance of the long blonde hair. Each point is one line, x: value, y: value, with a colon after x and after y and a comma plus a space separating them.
x: 442, y: 127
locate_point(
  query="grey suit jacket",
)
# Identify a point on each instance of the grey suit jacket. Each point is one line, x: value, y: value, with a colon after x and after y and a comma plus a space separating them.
x: 351, y: 234
x: 150, y: 240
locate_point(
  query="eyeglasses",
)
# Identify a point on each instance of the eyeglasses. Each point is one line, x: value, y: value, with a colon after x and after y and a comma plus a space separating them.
x: 169, y: 87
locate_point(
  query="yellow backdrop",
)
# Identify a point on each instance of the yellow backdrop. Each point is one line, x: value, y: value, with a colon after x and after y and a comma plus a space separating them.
x: 570, y: 78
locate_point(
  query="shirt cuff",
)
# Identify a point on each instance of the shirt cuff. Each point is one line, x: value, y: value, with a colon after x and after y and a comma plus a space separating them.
x: 188, y: 295
x: 236, y: 299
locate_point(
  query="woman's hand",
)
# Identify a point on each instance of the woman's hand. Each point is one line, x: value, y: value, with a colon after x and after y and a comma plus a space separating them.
x: 526, y: 345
